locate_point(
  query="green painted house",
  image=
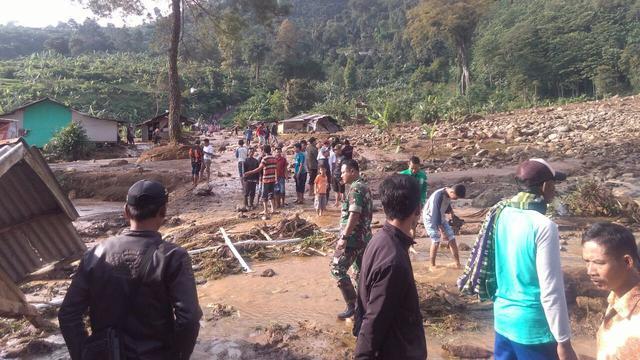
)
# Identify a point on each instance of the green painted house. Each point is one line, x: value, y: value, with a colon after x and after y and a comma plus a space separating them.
x: 38, y: 121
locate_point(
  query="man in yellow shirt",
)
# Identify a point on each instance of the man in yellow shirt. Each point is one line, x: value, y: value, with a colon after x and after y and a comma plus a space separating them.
x: 611, y: 255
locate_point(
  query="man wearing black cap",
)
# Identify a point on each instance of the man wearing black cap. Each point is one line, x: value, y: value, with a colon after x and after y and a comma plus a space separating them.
x: 139, y: 290
x: 530, y: 311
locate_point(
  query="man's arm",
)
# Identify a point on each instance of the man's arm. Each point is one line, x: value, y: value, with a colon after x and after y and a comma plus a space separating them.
x: 356, y: 204
x: 387, y: 290
x: 552, y: 293
x: 254, y: 170
x: 74, y: 306
x: 184, y: 301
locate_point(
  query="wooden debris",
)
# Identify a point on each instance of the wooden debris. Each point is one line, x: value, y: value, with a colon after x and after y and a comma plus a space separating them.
x: 235, y: 252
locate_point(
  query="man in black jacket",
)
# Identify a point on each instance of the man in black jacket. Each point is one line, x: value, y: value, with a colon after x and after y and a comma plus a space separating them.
x: 388, y: 321
x: 151, y: 301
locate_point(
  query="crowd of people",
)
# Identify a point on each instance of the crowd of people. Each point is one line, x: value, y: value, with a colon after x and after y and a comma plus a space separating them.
x: 140, y: 290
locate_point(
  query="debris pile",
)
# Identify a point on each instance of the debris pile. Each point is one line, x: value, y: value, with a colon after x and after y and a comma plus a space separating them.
x: 444, y: 311
x: 218, y: 311
x: 165, y: 152
x: 294, y: 226
x: 212, y: 257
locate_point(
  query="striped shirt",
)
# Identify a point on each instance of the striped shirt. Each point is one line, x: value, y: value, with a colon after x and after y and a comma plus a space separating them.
x: 269, y: 171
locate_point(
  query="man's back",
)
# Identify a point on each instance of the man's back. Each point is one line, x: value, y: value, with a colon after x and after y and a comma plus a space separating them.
x: 528, y: 275
x: 104, y: 284
x: 387, y: 278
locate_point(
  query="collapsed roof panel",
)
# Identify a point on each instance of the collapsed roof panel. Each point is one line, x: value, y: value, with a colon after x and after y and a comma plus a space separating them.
x: 35, y: 219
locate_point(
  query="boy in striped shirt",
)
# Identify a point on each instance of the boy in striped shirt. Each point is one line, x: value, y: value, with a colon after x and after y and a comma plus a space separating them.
x: 268, y: 166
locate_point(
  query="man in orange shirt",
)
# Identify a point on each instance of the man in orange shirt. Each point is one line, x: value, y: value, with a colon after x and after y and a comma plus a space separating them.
x: 611, y: 255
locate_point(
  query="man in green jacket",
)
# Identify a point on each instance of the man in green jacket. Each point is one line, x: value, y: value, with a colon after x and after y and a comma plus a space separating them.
x: 420, y: 175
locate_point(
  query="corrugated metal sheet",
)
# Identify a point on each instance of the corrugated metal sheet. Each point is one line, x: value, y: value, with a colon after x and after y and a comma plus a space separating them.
x: 35, y: 216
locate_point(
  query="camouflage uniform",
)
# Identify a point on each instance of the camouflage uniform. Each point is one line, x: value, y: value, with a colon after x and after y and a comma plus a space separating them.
x: 358, y: 200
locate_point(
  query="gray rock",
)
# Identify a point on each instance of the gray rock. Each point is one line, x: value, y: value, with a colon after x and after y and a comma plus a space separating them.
x: 120, y: 162
x: 491, y: 196
x: 483, y: 152
x: 203, y: 190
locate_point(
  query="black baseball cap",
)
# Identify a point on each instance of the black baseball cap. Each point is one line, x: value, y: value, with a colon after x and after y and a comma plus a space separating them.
x: 147, y: 192
x: 537, y: 171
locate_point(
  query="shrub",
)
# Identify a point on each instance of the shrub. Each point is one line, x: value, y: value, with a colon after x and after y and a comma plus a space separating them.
x: 592, y: 198
x: 69, y: 143
x: 428, y: 110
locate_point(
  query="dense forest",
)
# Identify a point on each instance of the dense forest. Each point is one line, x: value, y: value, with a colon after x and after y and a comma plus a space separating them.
x: 407, y: 59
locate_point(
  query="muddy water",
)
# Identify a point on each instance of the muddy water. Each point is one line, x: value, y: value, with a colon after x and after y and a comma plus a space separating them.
x: 303, y: 290
x: 89, y: 207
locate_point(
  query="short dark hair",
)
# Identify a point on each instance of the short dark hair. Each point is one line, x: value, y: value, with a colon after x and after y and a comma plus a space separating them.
x: 312, y: 139
x: 297, y: 146
x: 144, y: 212
x: 198, y: 142
x: 351, y: 164
x: 206, y: 140
x: 400, y: 196
x: 241, y: 142
x: 303, y: 142
x: 460, y: 190
x: 346, y: 142
x: 267, y: 149
x: 414, y: 160
x: 616, y: 239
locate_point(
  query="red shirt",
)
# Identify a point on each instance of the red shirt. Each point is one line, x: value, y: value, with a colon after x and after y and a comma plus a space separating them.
x: 281, y: 166
x: 269, y: 170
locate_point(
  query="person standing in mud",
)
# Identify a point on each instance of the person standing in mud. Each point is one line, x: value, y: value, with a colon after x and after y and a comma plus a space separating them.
x: 208, y: 158
x: 311, y: 157
x: 611, y: 255
x: 282, y: 176
x: 347, y: 150
x: 136, y: 288
x: 437, y: 225
x: 531, y: 319
x: 248, y: 135
x: 355, y: 233
x: 251, y: 181
x: 388, y: 322
x: 195, y: 155
x: 336, y: 175
x: 268, y: 166
x: 300, y: 173
x: 420, y: 175
x: 241, y: 156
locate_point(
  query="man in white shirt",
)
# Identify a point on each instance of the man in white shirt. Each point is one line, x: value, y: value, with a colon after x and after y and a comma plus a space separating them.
x: 241, y: 155
x: 208, y: 157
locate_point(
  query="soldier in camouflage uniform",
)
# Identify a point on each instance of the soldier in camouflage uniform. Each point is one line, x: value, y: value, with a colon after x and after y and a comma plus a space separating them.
x: 355, y: 233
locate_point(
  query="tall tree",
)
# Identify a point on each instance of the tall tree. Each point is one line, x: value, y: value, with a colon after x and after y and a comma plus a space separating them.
x: 136, y: 7
x: 453, y: 20
x: 262, y: 10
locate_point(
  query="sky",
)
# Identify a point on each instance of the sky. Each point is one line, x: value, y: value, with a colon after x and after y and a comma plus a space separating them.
x: 42, y: 13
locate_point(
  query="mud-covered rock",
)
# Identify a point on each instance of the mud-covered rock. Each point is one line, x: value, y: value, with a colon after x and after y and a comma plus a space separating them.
x: 268, y: 273
x: 467, y: 351
x: 203, y: 190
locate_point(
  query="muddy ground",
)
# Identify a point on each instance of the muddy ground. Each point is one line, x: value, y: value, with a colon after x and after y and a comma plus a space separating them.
x: 285, y: 308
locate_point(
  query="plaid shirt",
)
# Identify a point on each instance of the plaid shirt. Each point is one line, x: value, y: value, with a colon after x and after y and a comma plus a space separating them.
x: 618, y: 336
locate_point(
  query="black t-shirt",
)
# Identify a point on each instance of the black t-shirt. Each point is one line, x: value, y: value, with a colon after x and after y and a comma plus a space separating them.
x: 252, y: 163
